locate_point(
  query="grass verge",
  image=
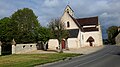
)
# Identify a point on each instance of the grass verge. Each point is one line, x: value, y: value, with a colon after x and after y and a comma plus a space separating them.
x: 30, y: 60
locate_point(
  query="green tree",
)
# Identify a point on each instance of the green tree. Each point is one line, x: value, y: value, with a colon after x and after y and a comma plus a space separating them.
x: 5, y: 29
x: 26, y: 23
x: 44, y: 36
x: 112, y: 33
x: 58, y: 31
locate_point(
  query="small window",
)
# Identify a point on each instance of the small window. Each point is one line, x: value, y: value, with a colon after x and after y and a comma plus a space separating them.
x: 24, y: 46
x: 67, y: 10
x: 30, y: 45
x: 68, y: 24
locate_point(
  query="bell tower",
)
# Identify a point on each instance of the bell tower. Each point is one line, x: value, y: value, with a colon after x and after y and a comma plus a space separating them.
x: 69, y: 10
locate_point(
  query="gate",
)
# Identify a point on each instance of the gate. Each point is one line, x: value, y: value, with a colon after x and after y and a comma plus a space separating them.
x: 6, y: 49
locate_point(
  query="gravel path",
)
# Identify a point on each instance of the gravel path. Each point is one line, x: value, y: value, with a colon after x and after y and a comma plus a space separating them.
x: 83, y: 50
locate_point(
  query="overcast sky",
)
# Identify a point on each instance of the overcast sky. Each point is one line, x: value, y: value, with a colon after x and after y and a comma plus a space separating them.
x: 107, y: 10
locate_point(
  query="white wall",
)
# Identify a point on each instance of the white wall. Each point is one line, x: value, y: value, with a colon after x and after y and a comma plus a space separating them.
x: 79, y: 38
x: 96, y: 36
x: 117, y: 39
x: 70, y: 11
x: 65, y: 18
x: 22, y: 48
x: 52, y: 44
x: 72, y: 43
x: 100, y: 34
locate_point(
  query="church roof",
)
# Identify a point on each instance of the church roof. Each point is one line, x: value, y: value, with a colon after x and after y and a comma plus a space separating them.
x: 73, y: 33
x: 88, y: 21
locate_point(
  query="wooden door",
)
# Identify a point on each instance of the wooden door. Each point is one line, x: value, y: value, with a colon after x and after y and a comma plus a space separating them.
x: 91, y: 44
x: 63, y: 44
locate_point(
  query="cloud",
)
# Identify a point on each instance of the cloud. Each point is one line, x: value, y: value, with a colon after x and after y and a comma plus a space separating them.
x: 51, y: 3
x: 107, y: 10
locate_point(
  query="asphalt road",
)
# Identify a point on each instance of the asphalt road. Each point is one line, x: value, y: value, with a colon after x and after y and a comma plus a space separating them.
x: 109, y: 56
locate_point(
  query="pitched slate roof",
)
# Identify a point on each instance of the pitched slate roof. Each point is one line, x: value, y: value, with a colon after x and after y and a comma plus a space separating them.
x: 86, y: 22
x: 73, y: 33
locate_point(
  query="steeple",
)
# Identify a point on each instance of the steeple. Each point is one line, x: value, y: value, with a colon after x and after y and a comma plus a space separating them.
x: 69, y: 10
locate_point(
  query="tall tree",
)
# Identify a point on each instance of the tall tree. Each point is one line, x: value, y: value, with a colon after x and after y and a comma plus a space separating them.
x: 112, y: 33
x: 26, y: 22
x: 5, y: 29
x: 58, y: 31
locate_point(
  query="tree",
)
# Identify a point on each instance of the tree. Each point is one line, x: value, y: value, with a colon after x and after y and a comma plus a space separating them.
x: 5, y: 29
x: 26, y: 24
x: 43, y: 36
x: 58, y: 31
x: 112, y: 33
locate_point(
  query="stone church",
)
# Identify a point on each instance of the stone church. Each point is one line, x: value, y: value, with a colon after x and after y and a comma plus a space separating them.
x: 83, y: 31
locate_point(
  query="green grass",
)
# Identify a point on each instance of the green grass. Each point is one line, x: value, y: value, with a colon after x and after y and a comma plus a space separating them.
x: 30, y: 60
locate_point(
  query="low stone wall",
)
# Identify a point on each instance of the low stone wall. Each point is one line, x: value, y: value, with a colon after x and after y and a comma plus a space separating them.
x: 23, y: 48
x: 117, y: 39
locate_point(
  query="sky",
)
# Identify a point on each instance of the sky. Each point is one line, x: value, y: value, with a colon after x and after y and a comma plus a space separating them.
x: 108, y: 11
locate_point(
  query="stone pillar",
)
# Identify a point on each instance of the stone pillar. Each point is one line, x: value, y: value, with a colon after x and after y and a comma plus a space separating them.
x: 13, y: 46
x: 0, y: 48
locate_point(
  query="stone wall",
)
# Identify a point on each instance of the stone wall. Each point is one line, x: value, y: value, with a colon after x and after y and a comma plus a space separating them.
x: 53, y: 44
x: 117, y: 39
x: 23, y: 48
x: 73, y: 43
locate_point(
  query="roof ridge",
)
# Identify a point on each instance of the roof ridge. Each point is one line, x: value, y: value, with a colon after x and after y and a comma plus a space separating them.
x: 88, y: 17
x: 69, y: 7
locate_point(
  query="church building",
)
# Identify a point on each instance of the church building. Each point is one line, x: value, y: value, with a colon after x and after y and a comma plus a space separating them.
x: 82, y: 31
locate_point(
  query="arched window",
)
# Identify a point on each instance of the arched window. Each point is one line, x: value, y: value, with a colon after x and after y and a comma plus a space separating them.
x: 68, y: 24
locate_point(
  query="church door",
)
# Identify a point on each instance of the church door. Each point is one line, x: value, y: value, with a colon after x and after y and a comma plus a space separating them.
x: 90, y: 40
x: 63, y: 44
x: 91, y: 44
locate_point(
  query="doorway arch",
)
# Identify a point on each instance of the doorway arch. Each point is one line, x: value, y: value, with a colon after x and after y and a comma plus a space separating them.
x: 90, y: 40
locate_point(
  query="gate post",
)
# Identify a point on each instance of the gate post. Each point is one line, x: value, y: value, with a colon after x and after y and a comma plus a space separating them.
x: 13, y: 46
x: 0, y: 48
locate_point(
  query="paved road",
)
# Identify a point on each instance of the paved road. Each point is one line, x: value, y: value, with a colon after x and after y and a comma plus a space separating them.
x: 109, y: 56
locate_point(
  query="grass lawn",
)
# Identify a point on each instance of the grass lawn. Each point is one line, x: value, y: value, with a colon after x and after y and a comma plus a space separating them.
x: 30, y: 60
